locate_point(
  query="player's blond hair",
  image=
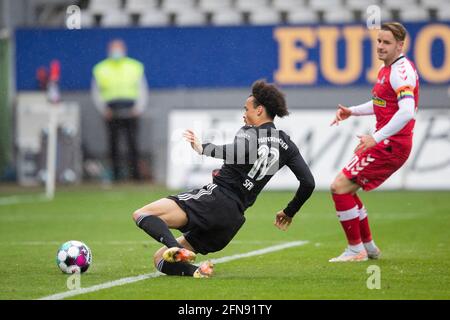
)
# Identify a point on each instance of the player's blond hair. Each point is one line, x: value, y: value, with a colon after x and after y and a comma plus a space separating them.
x: 397, y: 29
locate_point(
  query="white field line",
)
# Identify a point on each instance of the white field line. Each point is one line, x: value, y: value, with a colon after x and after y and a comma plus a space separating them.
x: 123, y: 281
x: 128, y: 243
x: 6, y: 201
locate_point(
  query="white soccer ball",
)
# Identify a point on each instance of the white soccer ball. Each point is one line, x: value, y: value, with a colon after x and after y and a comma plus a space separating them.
x: 74, y: 257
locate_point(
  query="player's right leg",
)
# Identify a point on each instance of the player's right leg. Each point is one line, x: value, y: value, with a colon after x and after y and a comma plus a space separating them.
x: 343, y: 191
x: 366, y: 236
x: 157, y: 217
x: 181, y: 268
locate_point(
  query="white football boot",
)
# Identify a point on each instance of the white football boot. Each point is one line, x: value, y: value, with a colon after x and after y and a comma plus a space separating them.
x: 374, y: 254
x: 349, y: 256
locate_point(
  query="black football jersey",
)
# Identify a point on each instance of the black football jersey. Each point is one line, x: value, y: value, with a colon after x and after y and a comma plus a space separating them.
x: 253, y: 158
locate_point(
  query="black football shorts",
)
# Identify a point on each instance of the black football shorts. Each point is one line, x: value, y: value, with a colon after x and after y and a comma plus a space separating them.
x: 214, y: 218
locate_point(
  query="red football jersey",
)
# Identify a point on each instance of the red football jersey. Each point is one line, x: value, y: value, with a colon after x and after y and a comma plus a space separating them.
x: 394, y: 83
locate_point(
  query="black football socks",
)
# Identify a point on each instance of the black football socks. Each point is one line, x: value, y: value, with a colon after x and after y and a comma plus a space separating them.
x: 176, y: 268
x: 158, y: 230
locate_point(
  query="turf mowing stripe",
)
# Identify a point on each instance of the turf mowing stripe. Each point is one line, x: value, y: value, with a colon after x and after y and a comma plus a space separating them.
x: 123, y: 281
x: 5, y: 201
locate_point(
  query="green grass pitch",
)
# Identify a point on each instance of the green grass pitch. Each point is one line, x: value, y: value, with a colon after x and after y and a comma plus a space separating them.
x: 411, y: 228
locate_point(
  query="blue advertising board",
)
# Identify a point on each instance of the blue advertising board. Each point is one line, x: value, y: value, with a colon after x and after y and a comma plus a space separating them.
x: 223, y: 57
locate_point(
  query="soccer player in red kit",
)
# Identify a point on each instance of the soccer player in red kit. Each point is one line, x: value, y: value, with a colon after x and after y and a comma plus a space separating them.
x: 394, y: 102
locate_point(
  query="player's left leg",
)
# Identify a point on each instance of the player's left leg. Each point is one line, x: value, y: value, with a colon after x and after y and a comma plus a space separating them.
x: 372, y: 250
x: 182, y: 268
x: 343, y: 191
x: 157, y: 217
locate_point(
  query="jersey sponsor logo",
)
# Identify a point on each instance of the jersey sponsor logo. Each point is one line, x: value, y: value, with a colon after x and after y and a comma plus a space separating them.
x: 378, y: 102
x: 280, y: 141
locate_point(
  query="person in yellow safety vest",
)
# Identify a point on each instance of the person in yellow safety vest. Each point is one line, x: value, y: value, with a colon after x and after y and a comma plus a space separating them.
x: 120, y: 93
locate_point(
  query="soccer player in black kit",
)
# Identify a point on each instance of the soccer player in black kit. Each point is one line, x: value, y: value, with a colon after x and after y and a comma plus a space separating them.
x: 211, y: 216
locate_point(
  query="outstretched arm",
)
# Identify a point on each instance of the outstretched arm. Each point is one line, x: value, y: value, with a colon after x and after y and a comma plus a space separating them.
x: 282, y: 221
x: 190, y: 137
x: 343, y: 112
x: 233, y: 151
x: 307, y: 184
x: 243, y: 146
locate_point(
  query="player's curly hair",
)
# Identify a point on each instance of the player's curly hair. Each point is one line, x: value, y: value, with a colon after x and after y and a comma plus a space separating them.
x: 269, y: 96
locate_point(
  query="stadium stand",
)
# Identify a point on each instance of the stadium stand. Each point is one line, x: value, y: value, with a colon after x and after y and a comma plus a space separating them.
x: 140, y: 6
x: 413, y: 14
x: 104, y: 6
x: 214, y: 5
x: 154, y: 18
x: 435, y: 4
x: 325, y: 4
x: 443, y: 14
x: 359, y: 4
x: 178, y: 6
x: 250, y: 5
x: 115, y: 19
x: 264, y: 15
x: 227, y: 18
x: 190, y: 17
x: 235, y: 12
x: 400, y: 4
x: 87, y: 19
x: 334, y: 15
x: 288, y: 5
x: 302, y: 16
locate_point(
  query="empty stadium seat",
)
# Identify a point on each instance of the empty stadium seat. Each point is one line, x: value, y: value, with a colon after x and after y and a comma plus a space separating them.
x: 190, y: 18
x: 443, y: 14
x: 140, y: 6
x: 386, y: 14
x: 412, y: 14
x: 361, y: 4
x: 264, y: 17
x: 436, y: 4
x: 227, y: 18
x: 87, y: 19
x: 334, y: 15
x: 288, y: 5
x: 115, y: 19
x: 214, y: 5
x: 154, y: 18
x: 325, y: 4
x: 400, y: 4
x: 103, y: 6
x: 302, y: 16
x: 178, y: 5
x: 250, y: 5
